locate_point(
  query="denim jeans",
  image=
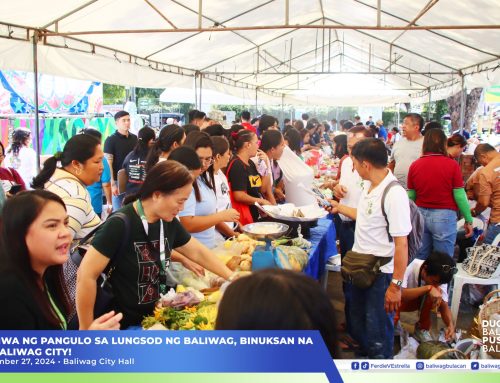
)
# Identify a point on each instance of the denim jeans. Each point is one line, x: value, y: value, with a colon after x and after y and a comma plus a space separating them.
x: 372, y: 327
x: 346, y: 239
x: 491, y: 233
x: 440, y: 232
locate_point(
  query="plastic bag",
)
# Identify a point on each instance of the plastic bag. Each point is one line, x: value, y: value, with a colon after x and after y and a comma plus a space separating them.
x: 409, y: 347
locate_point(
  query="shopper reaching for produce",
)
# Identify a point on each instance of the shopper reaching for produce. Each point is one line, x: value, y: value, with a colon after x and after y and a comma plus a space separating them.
x: 200, y: 216
x: 139, y: 274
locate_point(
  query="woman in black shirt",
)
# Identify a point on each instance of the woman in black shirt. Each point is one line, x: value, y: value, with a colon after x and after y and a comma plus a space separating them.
x: 139, y: 273
x: 245, y: 182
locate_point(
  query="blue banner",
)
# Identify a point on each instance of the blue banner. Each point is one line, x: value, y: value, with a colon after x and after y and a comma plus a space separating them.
x: 166, y: 351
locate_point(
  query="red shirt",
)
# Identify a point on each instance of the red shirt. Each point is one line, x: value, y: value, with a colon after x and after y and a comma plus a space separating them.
x: 249, y: 126
x: 12, y: 176
x: 433, y: 177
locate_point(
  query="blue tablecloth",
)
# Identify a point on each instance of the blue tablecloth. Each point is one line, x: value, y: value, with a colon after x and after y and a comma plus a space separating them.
x: 323, y: 239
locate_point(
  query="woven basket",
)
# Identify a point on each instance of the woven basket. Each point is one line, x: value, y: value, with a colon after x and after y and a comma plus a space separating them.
x: 490, y: 306
x: 457, y: 354
x: 438, y: 350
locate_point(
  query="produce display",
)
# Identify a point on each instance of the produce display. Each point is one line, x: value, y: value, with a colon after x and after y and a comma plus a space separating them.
x: 193, y: 306
x: 186, y: 309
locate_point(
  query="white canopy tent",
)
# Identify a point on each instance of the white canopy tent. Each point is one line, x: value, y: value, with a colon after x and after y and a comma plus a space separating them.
x: 278, y: 51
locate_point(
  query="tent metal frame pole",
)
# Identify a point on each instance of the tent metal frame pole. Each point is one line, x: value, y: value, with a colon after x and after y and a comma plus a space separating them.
x: 400, y: 47
x: 463, y: 100
x: 287, y: 12
x: 429, y: 106
x: 275, y: 27
x: 379, y: 8
x: 427, y: 7
x: 200, y: 13
x: 69, y: 13
x: 433, y: 32
x: 284, y: 73
x: 282, y: 107
x: 196, y: 91
x: 35, y: 79
x: 159, y: 13
x: 201, y: 87
x: 256, y: 108
x: 399, y: 107
x: 260, y: 45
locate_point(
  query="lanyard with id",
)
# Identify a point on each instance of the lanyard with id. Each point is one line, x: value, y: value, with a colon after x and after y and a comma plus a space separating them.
x: 165, y: 263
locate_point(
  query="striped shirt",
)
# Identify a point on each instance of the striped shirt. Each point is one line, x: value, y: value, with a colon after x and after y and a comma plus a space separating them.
x: 82, y: 218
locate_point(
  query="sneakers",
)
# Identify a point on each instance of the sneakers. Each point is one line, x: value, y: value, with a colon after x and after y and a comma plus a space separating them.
x: 422, y: 335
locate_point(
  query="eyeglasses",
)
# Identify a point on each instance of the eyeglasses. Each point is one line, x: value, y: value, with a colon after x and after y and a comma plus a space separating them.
x: 206, y: 160
x: 449, y: 269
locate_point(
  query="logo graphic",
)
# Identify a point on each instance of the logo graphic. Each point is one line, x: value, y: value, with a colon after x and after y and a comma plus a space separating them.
x: 355, y: 365
x: 420, y: 365
x: 255, y: 181
x: 365, y: 366
x: 474, y: 366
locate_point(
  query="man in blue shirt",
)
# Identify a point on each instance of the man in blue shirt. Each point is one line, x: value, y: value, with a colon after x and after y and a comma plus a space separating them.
x: 382, y: 132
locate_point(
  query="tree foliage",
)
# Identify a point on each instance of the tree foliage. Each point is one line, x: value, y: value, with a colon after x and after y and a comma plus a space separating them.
x: 113, y: 94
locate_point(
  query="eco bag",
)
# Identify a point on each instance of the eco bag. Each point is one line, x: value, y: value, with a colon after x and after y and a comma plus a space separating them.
x: 361, y: 269
x: 482, y: 261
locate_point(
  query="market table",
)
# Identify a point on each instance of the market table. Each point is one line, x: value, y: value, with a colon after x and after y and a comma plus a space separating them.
x: 323, y: 240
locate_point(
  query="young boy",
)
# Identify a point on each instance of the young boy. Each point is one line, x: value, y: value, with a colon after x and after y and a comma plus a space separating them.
x: 425, y: 287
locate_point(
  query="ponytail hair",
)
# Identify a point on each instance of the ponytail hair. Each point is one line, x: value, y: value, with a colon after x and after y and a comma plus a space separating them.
x: 19, y: 138
x: 169, y: 135
x: 78, y: 148
x: 242, y: 138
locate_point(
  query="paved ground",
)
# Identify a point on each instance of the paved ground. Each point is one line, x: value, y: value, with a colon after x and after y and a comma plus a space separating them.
x: 408, y: 320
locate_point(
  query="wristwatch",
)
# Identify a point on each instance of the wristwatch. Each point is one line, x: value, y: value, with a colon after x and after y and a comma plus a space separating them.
x: 397, y: 282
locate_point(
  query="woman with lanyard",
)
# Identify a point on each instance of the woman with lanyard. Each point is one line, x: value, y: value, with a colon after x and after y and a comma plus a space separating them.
x: 139, y: 274
x: 245, y: 182
x: 35, y: 241
x: 435, y: 184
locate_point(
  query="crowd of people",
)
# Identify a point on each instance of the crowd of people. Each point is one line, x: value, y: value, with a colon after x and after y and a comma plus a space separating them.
x: 185, y: 189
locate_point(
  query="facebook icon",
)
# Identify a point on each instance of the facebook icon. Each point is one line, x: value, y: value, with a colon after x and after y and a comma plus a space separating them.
x: 420, y: 365
x: 365, y: 366
x: 355, y: 365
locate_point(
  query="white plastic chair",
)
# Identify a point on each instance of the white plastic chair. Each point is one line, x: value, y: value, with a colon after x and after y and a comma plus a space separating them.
x: 330, y: 266
x: 462, y: 277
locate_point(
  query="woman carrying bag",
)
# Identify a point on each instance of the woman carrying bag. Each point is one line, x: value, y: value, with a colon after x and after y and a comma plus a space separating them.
x: 139, y: 274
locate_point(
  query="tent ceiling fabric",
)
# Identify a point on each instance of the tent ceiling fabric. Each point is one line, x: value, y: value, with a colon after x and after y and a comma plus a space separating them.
x: 298, y: 65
